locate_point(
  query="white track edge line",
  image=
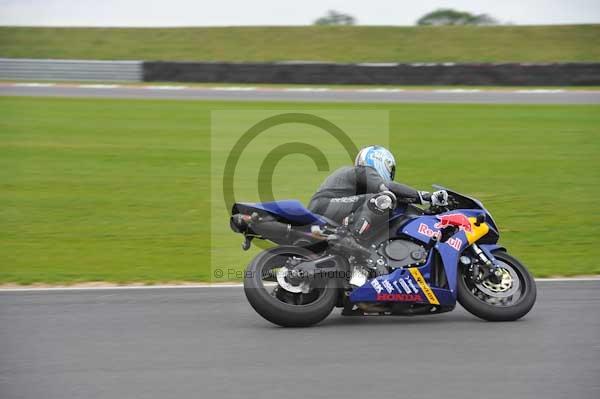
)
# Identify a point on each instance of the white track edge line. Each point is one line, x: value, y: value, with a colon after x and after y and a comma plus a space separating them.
x: 233, y: 285
x: 120, y: 287
x: 296, y: 89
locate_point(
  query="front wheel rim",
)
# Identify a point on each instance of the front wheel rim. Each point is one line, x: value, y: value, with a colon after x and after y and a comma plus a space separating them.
x: 509, y: 292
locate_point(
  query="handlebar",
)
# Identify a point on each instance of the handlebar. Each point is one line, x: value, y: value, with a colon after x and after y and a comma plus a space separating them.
x: 452, y: 204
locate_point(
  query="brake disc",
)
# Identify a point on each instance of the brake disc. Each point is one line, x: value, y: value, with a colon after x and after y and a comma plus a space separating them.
x: 508, y: 285
x: 283, y: 283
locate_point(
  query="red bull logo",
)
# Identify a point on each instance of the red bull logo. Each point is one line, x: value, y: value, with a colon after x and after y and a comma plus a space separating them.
x: 454, y: 219
x: 429, y: 232
x: 455, y: 243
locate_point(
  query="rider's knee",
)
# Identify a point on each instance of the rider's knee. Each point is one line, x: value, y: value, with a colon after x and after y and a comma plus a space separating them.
x: 373, y: 212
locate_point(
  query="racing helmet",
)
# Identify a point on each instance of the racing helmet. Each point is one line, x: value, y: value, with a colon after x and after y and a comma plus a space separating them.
x: 380, y: 159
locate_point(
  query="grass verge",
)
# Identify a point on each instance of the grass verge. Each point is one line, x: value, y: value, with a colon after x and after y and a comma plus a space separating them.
x: 316, y: 43
x: 117, y: 190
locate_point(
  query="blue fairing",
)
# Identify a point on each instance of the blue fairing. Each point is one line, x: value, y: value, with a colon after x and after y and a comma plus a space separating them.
x: 290, y: 211
x: 414, y: 228
x: 402, y: 284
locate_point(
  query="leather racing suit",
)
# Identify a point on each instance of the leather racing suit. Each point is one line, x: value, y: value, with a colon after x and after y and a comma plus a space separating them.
x: 350, y: 189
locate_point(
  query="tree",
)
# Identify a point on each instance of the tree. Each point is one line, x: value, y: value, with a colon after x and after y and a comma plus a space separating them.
x: 447, y: 16
x: 335, y: 18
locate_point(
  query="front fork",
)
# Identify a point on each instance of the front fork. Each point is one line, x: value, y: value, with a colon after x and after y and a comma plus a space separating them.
x: 489, y: 270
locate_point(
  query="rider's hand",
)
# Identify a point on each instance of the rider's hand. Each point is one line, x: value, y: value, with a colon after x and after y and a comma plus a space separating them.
x: 424, y: 196
x: 439, y: 198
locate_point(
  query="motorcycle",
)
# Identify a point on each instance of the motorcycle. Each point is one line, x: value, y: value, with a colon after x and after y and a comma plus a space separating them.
x: 421, y: 262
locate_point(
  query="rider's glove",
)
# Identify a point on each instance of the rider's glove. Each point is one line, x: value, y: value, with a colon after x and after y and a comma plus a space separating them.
x: 439, y: 198
x: 424, y: 196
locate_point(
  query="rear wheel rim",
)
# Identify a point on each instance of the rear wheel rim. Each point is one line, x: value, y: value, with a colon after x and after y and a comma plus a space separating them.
x: 271, y: 272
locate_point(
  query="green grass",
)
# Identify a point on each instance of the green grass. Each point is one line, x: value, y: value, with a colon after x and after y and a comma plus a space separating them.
x: 118, y: 190
x: 318, y: 43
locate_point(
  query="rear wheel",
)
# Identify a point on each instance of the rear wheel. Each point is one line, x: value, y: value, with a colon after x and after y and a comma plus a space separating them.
x: 281, y: 302
x: 510, y: 299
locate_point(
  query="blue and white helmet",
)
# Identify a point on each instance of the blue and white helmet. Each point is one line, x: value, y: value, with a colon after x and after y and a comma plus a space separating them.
x: 380, y: 159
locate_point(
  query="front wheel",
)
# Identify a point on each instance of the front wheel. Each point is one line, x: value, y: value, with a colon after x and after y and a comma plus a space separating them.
x: 281, y: 302
x: 510, y: 299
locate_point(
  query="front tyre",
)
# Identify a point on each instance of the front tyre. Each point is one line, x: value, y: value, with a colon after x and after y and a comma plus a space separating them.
x: 287, y: 306
x: 508, y: 300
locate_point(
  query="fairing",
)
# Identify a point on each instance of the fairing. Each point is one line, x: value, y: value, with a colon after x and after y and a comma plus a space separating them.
x: 404, y: 285
x: 469, y: 202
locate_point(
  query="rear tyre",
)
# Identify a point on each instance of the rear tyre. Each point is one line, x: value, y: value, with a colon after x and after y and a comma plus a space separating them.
x: 279, y: 306
x: 502, y: 302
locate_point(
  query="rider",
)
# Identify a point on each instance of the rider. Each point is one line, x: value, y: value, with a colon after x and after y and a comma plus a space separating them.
x: 360, y: 196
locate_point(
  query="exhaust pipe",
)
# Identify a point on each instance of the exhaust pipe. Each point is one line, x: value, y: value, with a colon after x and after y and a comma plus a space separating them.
x: 267, y: 228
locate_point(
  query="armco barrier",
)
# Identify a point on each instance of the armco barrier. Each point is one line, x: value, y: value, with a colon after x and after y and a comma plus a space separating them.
x: 30, y: 69
x: 514, y: 74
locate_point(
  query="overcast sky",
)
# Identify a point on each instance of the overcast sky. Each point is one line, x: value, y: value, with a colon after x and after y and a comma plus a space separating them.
x: 280, y: 12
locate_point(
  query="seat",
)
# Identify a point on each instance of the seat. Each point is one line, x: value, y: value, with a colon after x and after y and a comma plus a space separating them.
x: 290, y: 211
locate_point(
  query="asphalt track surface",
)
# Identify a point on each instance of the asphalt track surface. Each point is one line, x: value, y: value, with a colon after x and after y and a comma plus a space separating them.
x: 524, y: 96
x: 209, y: 343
